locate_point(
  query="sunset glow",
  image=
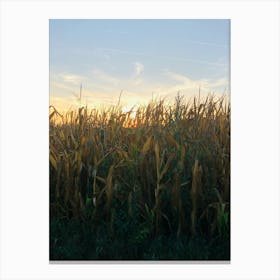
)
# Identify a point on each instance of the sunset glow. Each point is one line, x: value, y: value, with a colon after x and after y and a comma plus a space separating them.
x: 142, y: 59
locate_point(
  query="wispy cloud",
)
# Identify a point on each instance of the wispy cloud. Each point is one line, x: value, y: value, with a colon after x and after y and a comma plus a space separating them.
x: 186, y: 59
x: 70, y: 78
x: 222, y: 82
x: 139, y: 69
x: 107, y: 57
x: 112, y: 51
x: 102, y: 88
x: 209, y: 44
x: 186, y: 84
x: 104, y: 77
x: 62, y: 86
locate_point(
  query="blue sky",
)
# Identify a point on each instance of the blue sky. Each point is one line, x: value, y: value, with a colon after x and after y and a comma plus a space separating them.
x: 139, y: 57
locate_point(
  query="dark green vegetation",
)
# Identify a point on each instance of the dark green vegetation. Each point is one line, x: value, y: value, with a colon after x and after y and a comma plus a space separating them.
x: 147, y: 185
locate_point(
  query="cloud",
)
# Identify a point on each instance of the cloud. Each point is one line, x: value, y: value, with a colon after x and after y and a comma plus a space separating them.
x: 139, y: 69
x: 104, y: 77
x: 71, y: 78
x: 102, y: 89
x: 178, y: 77
x: 118, y: 51
x: 188, y: 85
x: 209, y: 44
x: 107, y: 57
x: 222, y: 82
x: 61, y: 85
x: 216, y: 64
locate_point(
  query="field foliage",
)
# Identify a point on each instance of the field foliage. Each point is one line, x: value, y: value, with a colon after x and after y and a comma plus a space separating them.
x: 152, y: 183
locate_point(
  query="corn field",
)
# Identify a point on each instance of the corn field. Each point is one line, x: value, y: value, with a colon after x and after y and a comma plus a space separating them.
x: 135, y: 179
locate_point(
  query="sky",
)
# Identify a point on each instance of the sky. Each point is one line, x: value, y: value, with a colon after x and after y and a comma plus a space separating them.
x: 143, y: 59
